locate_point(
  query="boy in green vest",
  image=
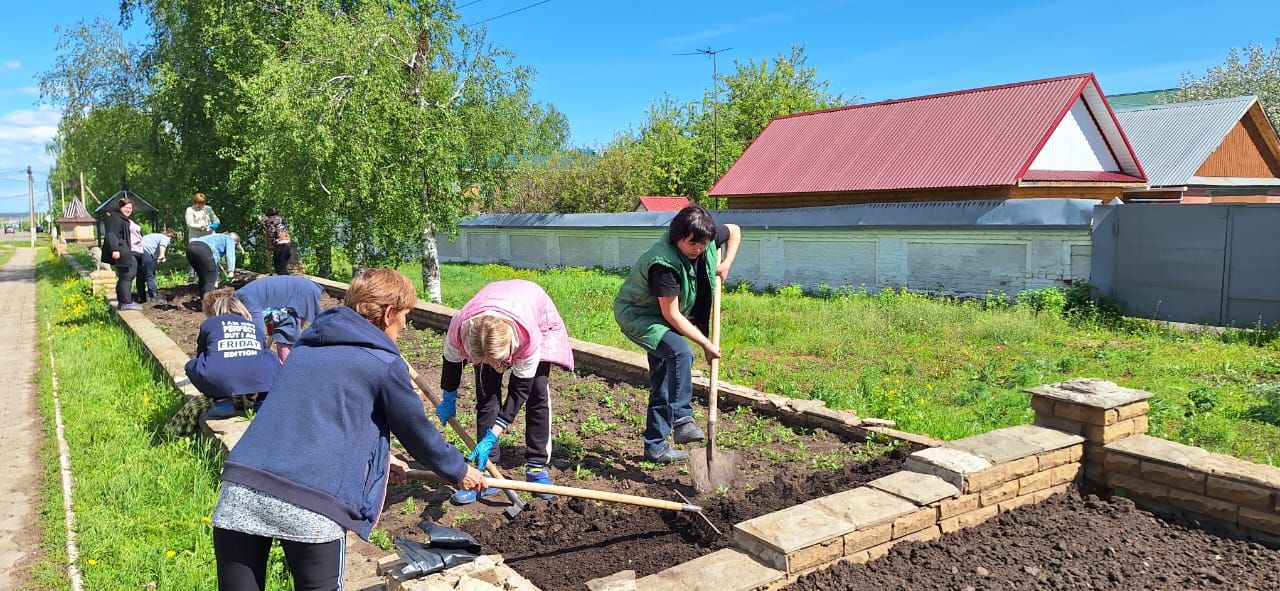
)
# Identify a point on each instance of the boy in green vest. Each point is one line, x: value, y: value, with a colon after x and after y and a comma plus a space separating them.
x: 665, y: 299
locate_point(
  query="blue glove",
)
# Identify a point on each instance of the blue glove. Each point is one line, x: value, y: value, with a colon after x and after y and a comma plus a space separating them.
x: 213, y: 225
x: 448, y: 407
x: 480, y: 455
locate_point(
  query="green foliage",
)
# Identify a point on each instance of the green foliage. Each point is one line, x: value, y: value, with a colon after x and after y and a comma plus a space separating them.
x: 1048, y: 299
x: 380, y: 538
x: 1267, y: 409
x: 410, y: 507
x: 1252, y: 70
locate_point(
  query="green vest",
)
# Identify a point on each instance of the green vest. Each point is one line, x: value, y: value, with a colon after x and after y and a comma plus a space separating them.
x: 636, y: 310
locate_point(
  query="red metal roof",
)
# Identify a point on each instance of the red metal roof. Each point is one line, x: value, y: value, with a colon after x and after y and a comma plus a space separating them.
x: 971, y: 138
x: 656, y: 203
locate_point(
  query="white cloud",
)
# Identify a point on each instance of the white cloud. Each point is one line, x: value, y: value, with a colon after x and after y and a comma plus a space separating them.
x: 12, y: 64
x: 23, y: 136
x: 21, y: 90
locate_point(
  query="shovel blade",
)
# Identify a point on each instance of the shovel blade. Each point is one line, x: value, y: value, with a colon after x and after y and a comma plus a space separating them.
x: 714, y: 474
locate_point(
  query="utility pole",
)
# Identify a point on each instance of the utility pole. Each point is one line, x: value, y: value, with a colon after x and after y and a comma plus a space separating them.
x: 31, y: 204
x: 715, y: 107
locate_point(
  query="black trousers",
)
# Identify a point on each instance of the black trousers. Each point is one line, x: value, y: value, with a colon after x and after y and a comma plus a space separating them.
x: 140, y: 279
x: 537, y: 412
x: 126, y: 270
x: 281, y: 256
x: 200, y: 257
x: 242, y: 562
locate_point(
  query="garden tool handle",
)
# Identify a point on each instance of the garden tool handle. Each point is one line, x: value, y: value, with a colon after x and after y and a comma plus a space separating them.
x: 713, y: 393
x: 569, y: 491
x: 453, y: 421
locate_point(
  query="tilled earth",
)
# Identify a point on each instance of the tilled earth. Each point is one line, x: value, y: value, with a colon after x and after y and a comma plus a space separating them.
x: 1068, y: 542
x: 597, y: 424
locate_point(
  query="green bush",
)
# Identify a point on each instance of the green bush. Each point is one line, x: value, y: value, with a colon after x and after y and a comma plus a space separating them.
x: 1048, y: 299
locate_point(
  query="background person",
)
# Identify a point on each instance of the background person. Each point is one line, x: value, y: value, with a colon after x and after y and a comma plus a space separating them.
x: 203, y: 254
x: 507, y: 325
x: 230, y: 360
x: 316, y: 459
x: 154, y: 248
x: 120, y: 238
x: 279, y: 245
x: 287, y: 302
x: 201, y: 221
x: 666, y: 297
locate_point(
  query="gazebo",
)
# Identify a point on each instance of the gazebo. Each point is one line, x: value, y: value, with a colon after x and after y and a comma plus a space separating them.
x: 76, y: 225
x: 140, y: 206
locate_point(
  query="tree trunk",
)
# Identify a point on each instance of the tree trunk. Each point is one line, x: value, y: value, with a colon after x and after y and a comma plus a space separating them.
x: 359, y: 259
x: 430, y: 265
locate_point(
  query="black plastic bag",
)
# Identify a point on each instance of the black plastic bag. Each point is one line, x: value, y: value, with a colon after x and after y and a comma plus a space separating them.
x: 446, y: 548
x: 439, y: 536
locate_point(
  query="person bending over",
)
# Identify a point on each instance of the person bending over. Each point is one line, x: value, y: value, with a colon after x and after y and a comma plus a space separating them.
x: 316, y: 460
x: 508, y: 326
x: 281, y: 305
x: 230, y: 361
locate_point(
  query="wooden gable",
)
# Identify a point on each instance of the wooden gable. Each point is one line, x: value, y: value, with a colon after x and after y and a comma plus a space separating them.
x: 1250, y: 150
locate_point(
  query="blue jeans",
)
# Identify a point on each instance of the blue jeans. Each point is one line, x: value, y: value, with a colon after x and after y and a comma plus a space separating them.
x: 670, y: 389
x: 149, y: 272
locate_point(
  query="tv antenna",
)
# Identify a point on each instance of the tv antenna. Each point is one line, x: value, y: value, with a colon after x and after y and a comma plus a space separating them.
x: 715, y: 106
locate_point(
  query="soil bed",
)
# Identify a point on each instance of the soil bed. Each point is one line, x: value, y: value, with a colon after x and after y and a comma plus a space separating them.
x: 1067, y: 542
x: 597, y: 424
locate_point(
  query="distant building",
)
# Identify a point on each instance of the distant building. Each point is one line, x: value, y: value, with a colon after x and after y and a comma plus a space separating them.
x: 1215, y: 151
x: 1055, y: 138
x: 76, y: 225
x: 1146, y: 98
x: 652, y: 203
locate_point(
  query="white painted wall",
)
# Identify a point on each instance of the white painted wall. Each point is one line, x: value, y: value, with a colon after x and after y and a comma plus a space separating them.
x: 960, y: 261
x: 1076, y: 144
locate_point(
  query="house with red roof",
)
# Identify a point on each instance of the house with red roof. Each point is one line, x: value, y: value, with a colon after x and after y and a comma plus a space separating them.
x: 656, y: 203
x: 1051, y: 138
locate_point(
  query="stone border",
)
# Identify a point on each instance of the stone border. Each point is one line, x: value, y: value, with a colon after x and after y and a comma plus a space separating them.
x: 633, y: 367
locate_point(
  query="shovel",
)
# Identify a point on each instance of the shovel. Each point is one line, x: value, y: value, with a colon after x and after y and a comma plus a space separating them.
x: 710, y: 468
x: 517, y: 504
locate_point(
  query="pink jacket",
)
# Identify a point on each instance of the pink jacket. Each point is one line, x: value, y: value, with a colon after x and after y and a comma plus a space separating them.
x: 538, y: 325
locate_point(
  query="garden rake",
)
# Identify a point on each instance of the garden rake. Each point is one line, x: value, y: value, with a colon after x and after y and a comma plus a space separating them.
x: 713, y: 469
x: 517, y: 504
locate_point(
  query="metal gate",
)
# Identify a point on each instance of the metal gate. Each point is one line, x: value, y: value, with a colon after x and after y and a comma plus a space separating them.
x: 1204, y: 264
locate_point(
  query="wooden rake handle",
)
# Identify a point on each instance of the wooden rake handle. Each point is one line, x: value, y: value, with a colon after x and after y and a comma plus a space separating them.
x: 713, y: 393
x: 569, y: 491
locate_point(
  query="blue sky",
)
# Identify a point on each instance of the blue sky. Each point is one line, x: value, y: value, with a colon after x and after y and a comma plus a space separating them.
x: 602, y: 62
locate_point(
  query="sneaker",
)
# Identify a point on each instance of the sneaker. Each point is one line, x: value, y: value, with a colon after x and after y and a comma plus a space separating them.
x: 686, y: 431
x: 151, y: 295
x: 538, y: 474
x: 130, y: 307
x: 466, y: 497
x: 223, y: 408
x: 666, y: 455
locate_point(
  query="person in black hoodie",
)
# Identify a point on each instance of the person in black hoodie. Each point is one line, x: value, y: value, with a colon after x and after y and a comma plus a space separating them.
x: 230, y: 360
x: 315, y: 462
x: 118, y: 248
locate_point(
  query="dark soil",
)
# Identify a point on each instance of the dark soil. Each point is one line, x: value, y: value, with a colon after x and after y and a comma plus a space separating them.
x: 1068, y: 542
x: 563, y: 543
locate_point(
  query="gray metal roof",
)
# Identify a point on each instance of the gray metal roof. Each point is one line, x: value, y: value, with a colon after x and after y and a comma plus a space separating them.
x: 1174, y: 140
x: 1025, y: 213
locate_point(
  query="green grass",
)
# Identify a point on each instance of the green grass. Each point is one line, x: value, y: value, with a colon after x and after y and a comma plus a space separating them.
x: 142, y: 501
x: 945, y: 367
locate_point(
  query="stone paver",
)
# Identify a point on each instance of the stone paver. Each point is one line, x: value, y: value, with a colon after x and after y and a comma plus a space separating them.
x: 1092, y: 392
x: 1044, y: 438
x: 995, y: 447
x: 918, y: 488
x: 864, y: 507
x: 951, y: 465
x: 20, y: 432
x: 1154, y: 448
x: 722, y: 570
x: 793, y: 528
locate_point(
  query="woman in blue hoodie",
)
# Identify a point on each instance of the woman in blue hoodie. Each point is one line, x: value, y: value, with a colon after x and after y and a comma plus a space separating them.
x: 316, y: 460
x: 230, y: 359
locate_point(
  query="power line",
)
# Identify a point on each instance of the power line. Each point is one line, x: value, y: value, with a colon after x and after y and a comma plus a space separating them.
x: 467, y: 4
x: 494, y: 18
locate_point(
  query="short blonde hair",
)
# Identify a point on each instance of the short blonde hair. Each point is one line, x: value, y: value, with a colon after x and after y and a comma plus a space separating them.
x: 377, y: 290
x: 489, y: 337
x: 223, y: 301
x: 199, y: 199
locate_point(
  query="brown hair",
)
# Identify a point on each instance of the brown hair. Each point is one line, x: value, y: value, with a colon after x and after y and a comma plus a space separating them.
x: 376, y: 290
x: 199, y: 199
x: 123, y: 202
x: 489, y: 337
x: 170, y: 232
x: 224, y: 301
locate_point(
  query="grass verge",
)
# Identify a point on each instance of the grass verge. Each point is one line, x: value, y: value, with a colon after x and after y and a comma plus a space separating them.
x: 951, y: 368
x: 142, y: 501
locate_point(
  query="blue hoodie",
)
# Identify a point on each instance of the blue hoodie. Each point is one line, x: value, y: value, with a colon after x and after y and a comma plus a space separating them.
x: 230, y: 359
x: 281, y: 291
x: 321, y: 440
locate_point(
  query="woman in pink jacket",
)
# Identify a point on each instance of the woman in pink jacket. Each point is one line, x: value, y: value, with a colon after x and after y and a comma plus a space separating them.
x: 509, y: 325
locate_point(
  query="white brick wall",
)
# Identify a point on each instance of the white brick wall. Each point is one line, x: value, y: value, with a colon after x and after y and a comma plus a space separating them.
x: 961, y: 261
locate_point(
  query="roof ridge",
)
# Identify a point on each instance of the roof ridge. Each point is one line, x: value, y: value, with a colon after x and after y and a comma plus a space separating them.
x: 939, y: 95
x: 1242, y: 98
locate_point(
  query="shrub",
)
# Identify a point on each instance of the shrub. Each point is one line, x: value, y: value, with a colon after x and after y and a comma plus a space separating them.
x: 1048, y: 299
